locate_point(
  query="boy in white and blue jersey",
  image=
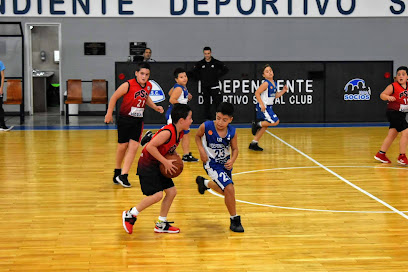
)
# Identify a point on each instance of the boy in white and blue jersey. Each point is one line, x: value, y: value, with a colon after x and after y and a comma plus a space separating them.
x: 178, y: 95
x: 266, y: 117
x: 218, y: 146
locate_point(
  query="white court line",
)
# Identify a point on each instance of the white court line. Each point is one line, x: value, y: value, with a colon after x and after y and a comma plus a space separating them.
x: 306, y: 209
x: 340, y: 177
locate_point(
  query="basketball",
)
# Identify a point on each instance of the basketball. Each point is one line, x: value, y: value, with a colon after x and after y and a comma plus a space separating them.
x: 178, y: 163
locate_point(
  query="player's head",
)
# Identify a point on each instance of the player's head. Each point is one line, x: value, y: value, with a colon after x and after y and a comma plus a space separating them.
x: 180, y: 75
x: 267, y: 71
x: 402, y: 75
x: 224, y: 115
x: 207, y: 53
x: 142, y: 72
x: 182, y: 114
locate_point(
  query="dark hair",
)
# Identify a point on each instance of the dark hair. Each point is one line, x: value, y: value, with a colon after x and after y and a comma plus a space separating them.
x: 178, y: 71
x: 226, y: 108
x: 142, y: 65
x: 179, y: 111
x: 264, y: 67
x: 147, y: 48
x: 207, y: 48
x: 405, y: 68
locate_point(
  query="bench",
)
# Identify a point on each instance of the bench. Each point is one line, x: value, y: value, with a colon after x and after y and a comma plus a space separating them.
x: 15, y: 96
x: 74, y: 94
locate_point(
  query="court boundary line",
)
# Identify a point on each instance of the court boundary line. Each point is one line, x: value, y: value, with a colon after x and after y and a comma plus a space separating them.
x: 307, y: 209
x: 339, y: 177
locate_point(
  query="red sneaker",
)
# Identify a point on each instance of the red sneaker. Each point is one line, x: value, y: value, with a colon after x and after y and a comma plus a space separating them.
x: 402, y: 159
x: 382, y: 158
x: 165, y: 227
x: 128, y: 221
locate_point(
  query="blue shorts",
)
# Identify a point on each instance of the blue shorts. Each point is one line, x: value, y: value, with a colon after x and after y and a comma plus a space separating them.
x: 268, y: 115
x: 218, y: 173
x: 168, y: 118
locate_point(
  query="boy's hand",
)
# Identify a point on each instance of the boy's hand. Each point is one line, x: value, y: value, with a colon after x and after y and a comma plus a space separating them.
x: 169, y: 166
x: 159, y: 109
x: 391, y: 98
x: 228, y: 165
x: 285, y: 88
x: 189, y: 96
x: 108, y: 118
x: 263, y: 108
x: 203, y: 157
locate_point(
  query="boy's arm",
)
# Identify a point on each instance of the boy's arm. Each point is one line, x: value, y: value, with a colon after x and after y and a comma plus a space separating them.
x: 234, y: 153
x: 386, y: 94
x: 2, y: 82
x: 284, y: 90
x: 151, y: 104
x: 152, y: 147
x: 198, y: 136
x: 174, y: 95
x: 258, y: 92
x: 121, y: 91
x: 171, y: 91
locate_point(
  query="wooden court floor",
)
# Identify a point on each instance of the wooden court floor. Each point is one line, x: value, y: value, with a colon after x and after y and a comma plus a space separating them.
x: 314, y: 200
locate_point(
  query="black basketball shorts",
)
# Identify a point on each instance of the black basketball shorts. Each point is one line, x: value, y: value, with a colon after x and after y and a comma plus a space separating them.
x: 129, y: 128
x: 397, y: 120
x: 151, y: 184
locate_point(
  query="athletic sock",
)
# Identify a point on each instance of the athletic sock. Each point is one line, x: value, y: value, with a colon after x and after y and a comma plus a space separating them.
x: 381, y: 152
x: 134, y: 211
x: 162, y: 219
x: 206, y: 181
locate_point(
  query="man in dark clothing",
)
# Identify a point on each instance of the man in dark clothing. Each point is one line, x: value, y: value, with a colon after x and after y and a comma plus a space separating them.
x: 208, y: 71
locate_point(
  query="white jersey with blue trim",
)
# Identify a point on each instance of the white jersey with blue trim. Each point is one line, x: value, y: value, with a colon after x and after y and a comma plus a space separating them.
x: 182, y: 99
x: 216, y: 147
x: 268, y: 96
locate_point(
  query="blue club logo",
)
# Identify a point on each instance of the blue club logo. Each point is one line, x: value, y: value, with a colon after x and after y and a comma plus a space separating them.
x: 157, y: 94
x: 357, y: 89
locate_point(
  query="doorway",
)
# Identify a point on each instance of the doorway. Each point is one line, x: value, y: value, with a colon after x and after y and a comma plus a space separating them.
x: 44, y: 68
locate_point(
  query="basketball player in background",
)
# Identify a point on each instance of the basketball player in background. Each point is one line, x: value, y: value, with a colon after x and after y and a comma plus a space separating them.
x: 265, y: 116
x: 214, y: 140
x: 135, y: 94
x: 152, y: 181
x: 397, y: 96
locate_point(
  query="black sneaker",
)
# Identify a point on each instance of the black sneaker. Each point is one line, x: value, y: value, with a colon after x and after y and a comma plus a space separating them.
x: 123, y: 180
x: 146, y: 138
x: 236, y: 224
x: 189, y: 158
x: 117, y: 172
x: 201, y: 187
x: 255, y: 147
x: 254, y: 128
x: 5, y: 128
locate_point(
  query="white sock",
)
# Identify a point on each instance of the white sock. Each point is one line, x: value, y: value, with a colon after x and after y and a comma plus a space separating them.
x: 162, y: 219
x: 255, y: 142
x: 206, y: 181
x: 259, y: 124
x: 233, y: 216
x: 134, y: 211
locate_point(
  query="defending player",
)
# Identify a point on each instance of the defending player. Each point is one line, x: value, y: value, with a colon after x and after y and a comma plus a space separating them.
x: 214, y: 140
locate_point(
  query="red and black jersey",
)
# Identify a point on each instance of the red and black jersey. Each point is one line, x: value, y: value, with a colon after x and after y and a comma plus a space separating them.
x: 401, y: 98
x: 149, y: 164
x: 134, y: 101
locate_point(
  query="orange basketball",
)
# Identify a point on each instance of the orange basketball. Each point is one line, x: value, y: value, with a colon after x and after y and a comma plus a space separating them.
x: 178, y: 163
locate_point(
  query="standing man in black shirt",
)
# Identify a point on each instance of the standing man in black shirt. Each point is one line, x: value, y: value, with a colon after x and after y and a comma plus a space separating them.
x: 208, y: 71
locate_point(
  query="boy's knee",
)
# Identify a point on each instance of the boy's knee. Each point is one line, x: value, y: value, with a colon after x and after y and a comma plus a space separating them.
x: 157, y: 196
x: 229, y: 189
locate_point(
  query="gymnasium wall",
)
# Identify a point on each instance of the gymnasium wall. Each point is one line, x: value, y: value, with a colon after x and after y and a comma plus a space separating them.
x: 232, y: 39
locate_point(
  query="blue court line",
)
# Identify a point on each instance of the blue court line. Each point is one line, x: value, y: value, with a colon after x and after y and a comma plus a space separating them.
x: 287, y: 125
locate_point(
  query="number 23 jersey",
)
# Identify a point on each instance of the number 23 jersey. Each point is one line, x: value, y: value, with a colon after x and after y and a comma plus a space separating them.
x: 216, y: 147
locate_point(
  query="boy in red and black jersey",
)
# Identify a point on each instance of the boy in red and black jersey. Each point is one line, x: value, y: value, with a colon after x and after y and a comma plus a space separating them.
x: 152, y: 182
x: 397, y: 96
x: 135, y: 94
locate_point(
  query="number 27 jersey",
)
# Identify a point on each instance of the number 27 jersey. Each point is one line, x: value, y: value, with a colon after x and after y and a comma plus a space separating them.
x: 216, y: 147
